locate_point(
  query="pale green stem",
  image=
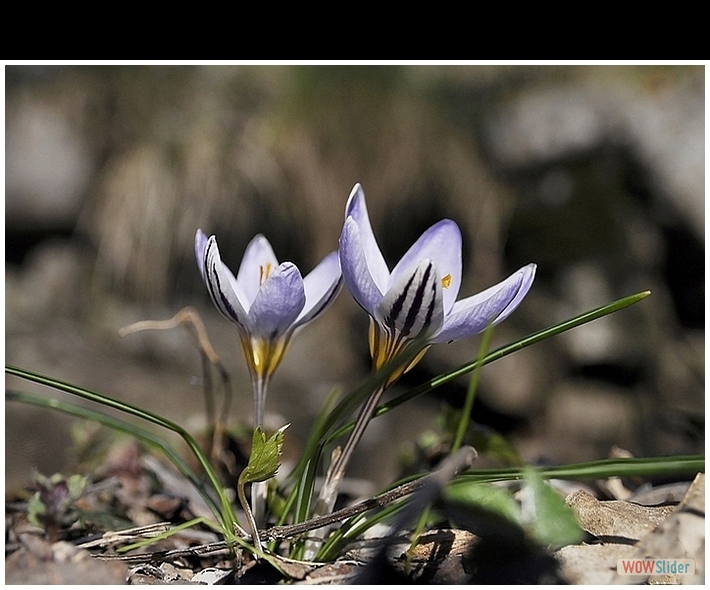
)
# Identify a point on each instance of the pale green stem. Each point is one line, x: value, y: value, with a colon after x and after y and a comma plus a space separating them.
x: 259, y: 490
x: 256, y: 541
x: 329, y: 492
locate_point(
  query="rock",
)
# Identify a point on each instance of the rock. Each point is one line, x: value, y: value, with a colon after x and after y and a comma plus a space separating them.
x: 39, y: 562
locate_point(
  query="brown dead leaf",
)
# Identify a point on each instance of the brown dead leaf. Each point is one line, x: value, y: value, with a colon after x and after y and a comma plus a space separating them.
x: 616, y: 518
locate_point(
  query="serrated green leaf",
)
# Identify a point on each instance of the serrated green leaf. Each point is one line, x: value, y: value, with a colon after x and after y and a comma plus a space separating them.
x: 76, y: 484
x: 265, y: 456
x: 553, y: 522
x: 35, y: 507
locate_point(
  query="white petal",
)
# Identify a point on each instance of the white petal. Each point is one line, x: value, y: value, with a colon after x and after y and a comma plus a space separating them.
x: 200, y: 247
x: 258, y: 262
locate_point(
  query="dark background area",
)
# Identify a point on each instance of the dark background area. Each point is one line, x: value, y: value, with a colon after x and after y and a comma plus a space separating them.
x: 596, y: 173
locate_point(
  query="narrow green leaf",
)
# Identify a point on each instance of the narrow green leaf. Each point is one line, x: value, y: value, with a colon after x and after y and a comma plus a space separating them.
x: 228, y: 517
x: 644, y: 467
x: 119, y: 425
x: 499, y: 353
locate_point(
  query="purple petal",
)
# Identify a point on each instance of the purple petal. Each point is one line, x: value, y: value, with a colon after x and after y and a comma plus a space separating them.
x: 413, y: 306
x: 257, y: 264
x: 357, y: 209
x: 222, y: 286
x: 472, y: 315
x: 200, y: 245
x: 441, y: 244
x: 356, y: 271
x: 321, y: 285
x: 278, y: 302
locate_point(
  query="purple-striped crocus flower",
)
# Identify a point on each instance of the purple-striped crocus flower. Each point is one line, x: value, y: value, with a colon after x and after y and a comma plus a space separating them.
x: 268, y: 302
x: 415, y: 303
x: 418, y: 298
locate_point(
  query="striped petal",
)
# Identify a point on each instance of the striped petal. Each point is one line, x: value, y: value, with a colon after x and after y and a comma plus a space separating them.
x: 413, y: 306
x: 223, y: 287
x: 321, y: 285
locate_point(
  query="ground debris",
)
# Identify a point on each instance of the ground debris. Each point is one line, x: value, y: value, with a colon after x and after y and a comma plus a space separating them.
x: 37, y: 561
x: 628, y: 531
x: 616, y: 519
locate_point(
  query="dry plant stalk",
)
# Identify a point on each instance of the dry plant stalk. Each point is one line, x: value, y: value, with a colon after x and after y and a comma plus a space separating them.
x: 190, y: 318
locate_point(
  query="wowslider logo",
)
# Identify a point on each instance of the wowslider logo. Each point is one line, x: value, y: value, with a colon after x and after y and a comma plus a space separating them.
x: 655, y: 567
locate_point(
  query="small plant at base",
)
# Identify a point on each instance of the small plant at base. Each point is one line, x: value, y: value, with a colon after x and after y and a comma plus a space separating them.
x: 51, y: 505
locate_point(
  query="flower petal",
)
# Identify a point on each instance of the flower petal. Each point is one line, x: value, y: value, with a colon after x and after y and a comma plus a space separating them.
x: 222, y: 287
x: 472, y: 315
x: 441, y: 244
x: 357, y: 209
x: 356, y: 271
x: 278, y: 302
x: 200, y: 246
x: 258, y: 262
x: 413, y: 306
x: 321, y: 285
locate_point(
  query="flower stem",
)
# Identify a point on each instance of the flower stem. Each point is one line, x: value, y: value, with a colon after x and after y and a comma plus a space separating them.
x: 256, y: 541
x: 329, y: 492
x: 259, y: 490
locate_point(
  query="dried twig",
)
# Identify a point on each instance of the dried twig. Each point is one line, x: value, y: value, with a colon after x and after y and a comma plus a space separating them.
x: 434, y: 481
x: 190, y: 318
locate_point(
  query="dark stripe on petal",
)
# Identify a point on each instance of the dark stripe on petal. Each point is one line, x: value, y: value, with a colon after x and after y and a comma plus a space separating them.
x: 416, y: 306
x: 398, y: 304
x: 322, y: 304
x: 220, y: 298
x: 432, y: 307
x: 215, y: 289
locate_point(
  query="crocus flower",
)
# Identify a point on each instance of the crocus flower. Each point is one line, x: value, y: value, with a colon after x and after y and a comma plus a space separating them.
x: 415, y: 303
x: 418, y: 298
x: 267, y: 301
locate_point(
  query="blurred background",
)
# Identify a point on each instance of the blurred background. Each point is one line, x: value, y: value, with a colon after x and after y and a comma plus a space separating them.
x: 596, y: 173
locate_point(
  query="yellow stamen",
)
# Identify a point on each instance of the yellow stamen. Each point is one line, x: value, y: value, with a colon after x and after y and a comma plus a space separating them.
x: 446, y: 281
x: 264, y: 272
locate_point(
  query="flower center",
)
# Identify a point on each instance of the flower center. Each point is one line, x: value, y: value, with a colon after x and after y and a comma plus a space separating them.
x: 446, y: 281
x: 265, y: 271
